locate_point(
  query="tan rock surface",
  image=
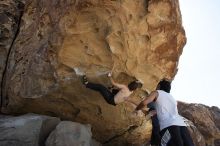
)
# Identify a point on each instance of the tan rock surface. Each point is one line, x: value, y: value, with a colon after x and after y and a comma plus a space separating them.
x: 61, y: 40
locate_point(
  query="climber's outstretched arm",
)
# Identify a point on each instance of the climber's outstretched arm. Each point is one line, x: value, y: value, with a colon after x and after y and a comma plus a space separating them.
x: 120, y: 86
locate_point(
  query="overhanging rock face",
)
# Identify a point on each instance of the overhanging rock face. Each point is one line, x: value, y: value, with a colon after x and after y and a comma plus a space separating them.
x: 59, y: 41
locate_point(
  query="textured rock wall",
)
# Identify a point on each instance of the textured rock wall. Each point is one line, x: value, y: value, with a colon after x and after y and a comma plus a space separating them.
x: 60, y: 40
x: 195, y: 134
x: 10, y: 14
x: 205, y: 118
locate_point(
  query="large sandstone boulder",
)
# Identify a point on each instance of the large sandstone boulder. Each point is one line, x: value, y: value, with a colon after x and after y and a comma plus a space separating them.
x: 26, y: 130
x: 70, y: 134
x: 206, y: 120
x: 60, y: 40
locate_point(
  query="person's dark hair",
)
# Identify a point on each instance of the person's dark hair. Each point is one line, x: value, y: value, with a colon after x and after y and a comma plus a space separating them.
x: 165, y: 85
x: 134, y: 85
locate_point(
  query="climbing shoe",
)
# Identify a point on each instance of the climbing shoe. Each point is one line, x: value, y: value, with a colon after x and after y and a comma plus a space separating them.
x: 84, y: 80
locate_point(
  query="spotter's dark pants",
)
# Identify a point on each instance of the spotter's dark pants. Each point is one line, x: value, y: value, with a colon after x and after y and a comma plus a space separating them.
x: 179, y: 136
x: 155, y: 135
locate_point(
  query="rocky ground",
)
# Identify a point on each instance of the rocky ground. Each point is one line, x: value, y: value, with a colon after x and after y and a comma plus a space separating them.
x: 39, y: 130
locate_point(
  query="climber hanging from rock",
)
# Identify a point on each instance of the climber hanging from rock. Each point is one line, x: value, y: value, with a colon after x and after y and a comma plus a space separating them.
x: 115, y: 96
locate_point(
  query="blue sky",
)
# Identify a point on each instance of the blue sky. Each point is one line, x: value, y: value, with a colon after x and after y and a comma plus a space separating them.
x: 198, y: 78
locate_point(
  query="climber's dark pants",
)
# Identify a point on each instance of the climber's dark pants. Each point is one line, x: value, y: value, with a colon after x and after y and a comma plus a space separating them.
x: 176, y: 136
x: 108, y: 95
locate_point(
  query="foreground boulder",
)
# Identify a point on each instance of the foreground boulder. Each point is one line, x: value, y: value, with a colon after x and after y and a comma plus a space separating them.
x: 26, y: 130
x: 70, y: 134
x: 60, y: 40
